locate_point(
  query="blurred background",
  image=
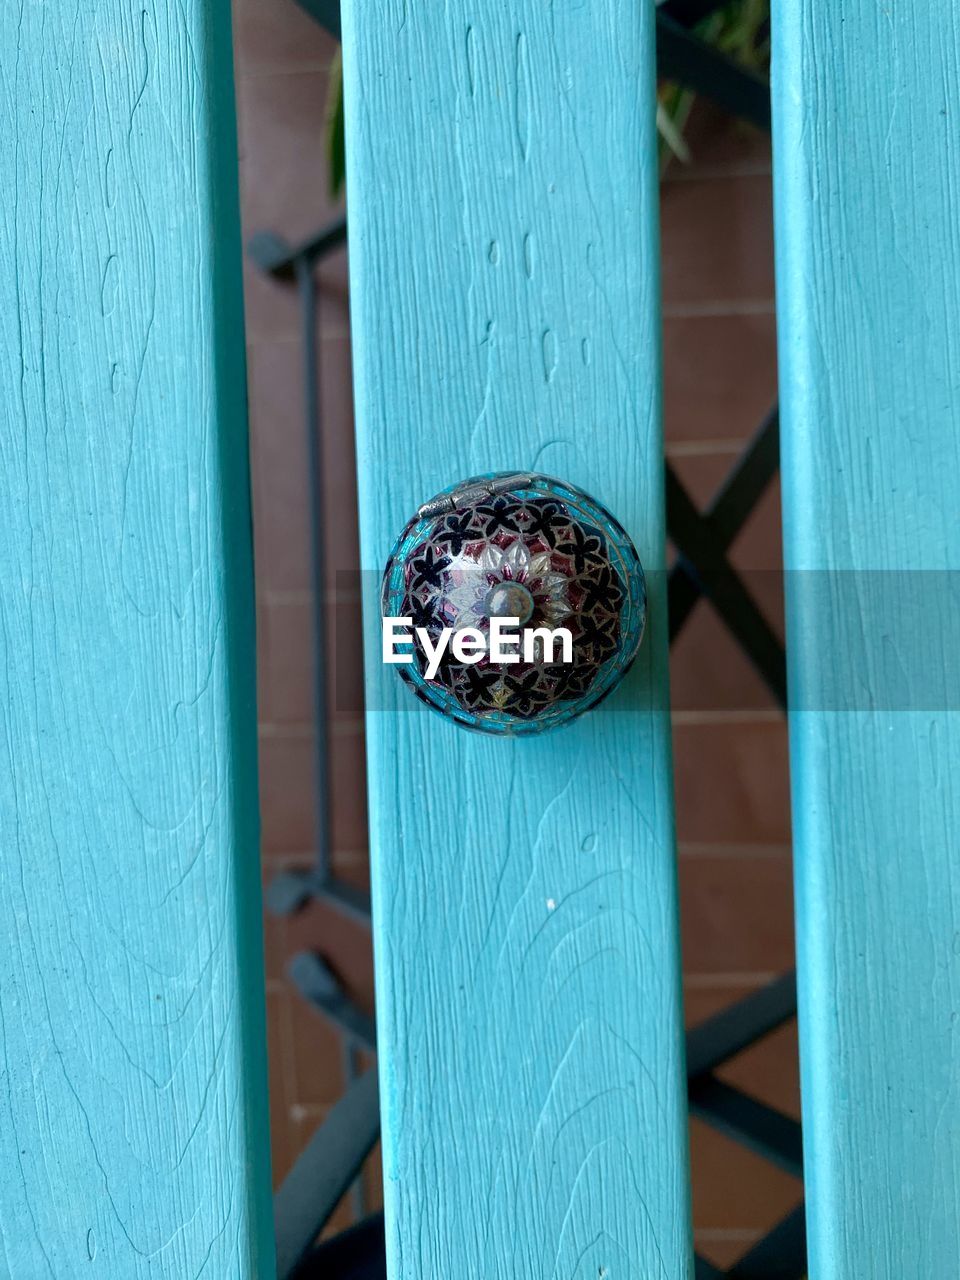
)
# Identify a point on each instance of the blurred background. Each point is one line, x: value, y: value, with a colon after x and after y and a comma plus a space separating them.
x: 729, y: 734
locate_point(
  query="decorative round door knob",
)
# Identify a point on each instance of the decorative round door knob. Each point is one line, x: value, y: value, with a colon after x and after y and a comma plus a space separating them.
x: 514, y: 556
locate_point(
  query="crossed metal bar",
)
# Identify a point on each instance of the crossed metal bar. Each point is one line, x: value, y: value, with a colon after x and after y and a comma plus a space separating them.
x: 331, y: 1162
x: 702, y: 568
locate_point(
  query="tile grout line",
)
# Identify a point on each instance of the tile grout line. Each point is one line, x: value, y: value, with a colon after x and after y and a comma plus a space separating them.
x: 718, y: 173
x: 280, y: 70
x: 716, y: 309
x: 726, y: 1235
x: 703, y: 981
x: 720, y: 448
x: 291, y: 597
x: 746, y: 715
x: 302, y: 730
x: 336, y: 331
x: 704, y: 849
x: 349, y: 860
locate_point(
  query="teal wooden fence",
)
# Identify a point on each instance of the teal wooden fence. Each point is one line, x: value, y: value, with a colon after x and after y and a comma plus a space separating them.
x: 867, y: 170
x: 504, y: 265
x: 132, y: 1059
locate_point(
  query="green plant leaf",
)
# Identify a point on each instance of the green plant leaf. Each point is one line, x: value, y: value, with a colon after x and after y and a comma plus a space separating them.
x: 336, y: 145
x: 673, y: 108
x: 739, y: 29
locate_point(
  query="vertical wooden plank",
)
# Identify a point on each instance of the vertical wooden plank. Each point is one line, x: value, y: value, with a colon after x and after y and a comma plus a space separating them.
x: 504, y: 267
x: 132, y: 1072
x: 867, y: 168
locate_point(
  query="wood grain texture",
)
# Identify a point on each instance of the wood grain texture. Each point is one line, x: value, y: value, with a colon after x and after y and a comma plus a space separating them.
x: 132, y: 1071
x: 504, y: 272
x: 867, y: 169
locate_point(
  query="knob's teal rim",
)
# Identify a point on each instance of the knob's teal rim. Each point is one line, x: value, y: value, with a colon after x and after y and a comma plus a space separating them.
x: 585, y: 512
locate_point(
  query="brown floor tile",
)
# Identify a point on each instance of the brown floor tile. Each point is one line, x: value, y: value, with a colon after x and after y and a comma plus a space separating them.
x: 733, y: 1188
x: 717, y: 243
x: 373, y: 1180
x: 280, y: 465
x: 316, y: 1057
x: 278, y: 1059
x: 757, y: 555
x: 271, y: 309
x: 770, y: 1071
x: 287, y: 793
x: 758, y: 547
x: 283, y: 1148
x: 345, y: 669
x: 343, y: 1217
x: 702, y: 474
x: 719, y: 376
x: 281, y: 519
x: 334, y: 296
x: 348, y: 774
x: 720, y: 146
x: 287, y: 807
x: 277, y: 35
x: 709, y: 671
x: 352, y: 867
x: 341, y: 531
x: 731, y: 782
x: 723, y: 1246
x: 284, y: 1140
x: 287, y: 789
x: 736, y: 913
x: 285, y: 660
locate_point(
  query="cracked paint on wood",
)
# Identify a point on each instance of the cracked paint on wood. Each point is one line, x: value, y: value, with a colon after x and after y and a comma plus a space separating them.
x: 505, y: 295
x: 132, y: 1060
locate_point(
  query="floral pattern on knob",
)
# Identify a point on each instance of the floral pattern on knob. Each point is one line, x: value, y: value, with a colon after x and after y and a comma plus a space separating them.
x: 536, y: 545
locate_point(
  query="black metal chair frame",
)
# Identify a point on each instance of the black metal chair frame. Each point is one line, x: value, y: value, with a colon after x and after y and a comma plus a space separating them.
x: 332, y: 1160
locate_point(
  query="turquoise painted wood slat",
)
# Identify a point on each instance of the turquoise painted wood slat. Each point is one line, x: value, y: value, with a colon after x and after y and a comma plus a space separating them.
x: 504, y: 286
x: 867, y: 100
x: 132, y: 1063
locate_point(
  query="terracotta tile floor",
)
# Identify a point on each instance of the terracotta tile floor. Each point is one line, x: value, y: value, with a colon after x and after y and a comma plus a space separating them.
x: 729, y: 740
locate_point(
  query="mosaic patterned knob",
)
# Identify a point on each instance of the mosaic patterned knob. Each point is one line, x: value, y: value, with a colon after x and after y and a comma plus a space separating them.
x: 516, y: 547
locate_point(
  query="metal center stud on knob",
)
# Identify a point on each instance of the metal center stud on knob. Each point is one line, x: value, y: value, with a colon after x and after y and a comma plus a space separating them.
x: 510, y: 600
x: 516, y: 545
